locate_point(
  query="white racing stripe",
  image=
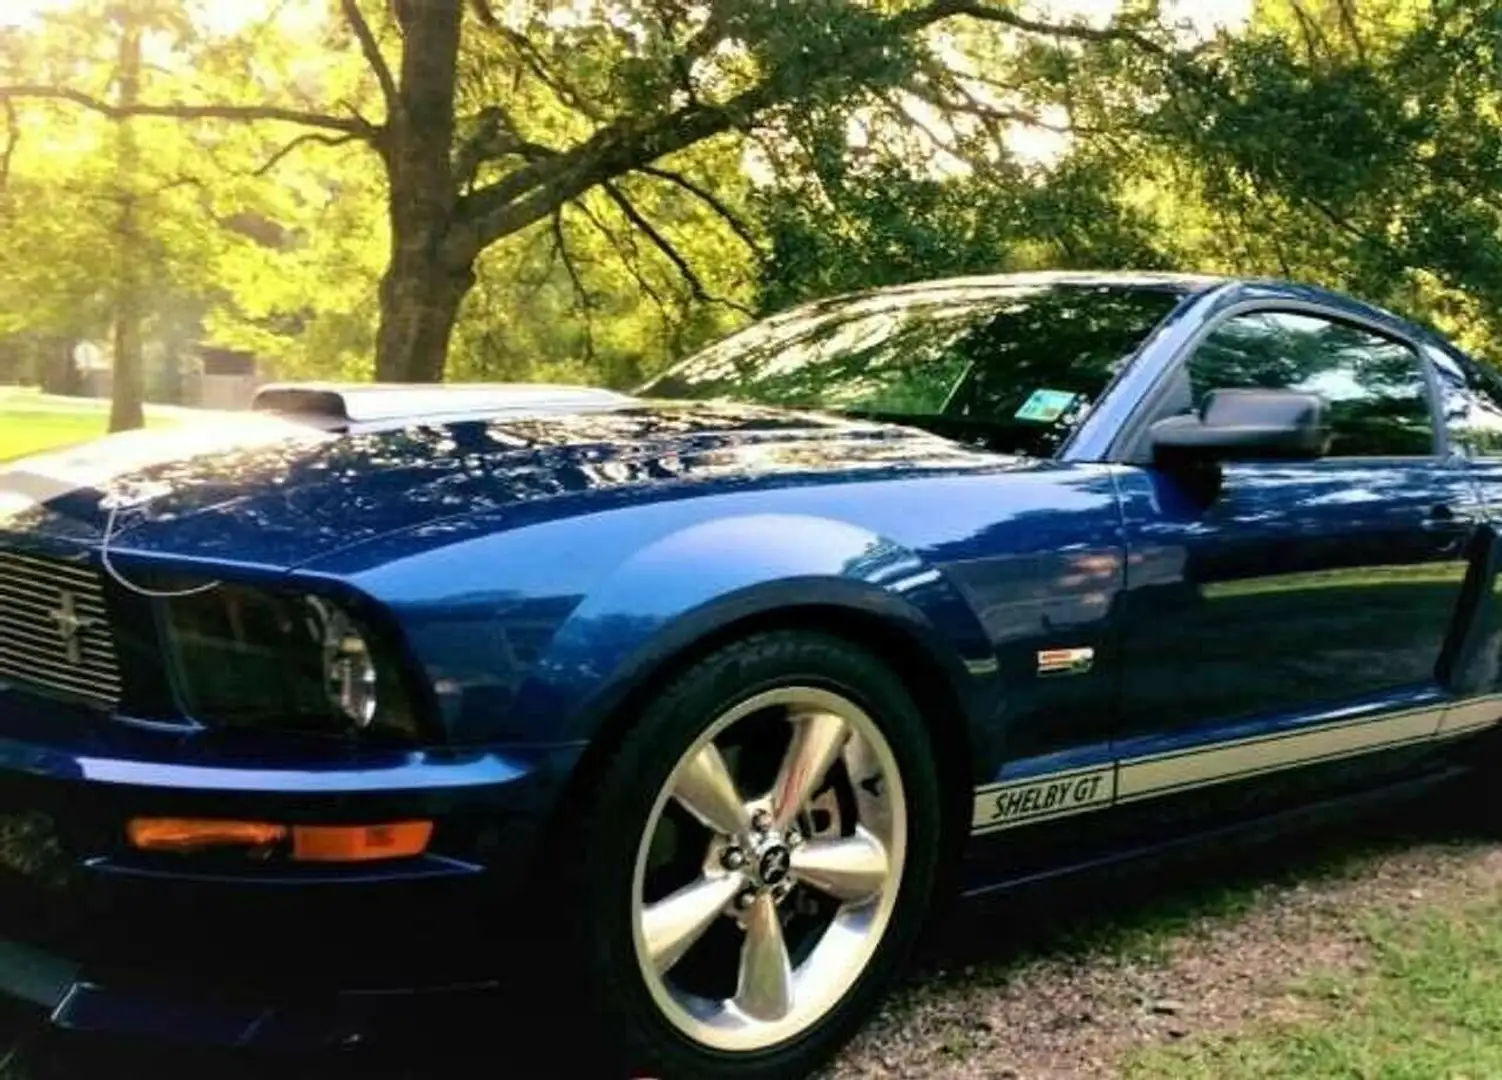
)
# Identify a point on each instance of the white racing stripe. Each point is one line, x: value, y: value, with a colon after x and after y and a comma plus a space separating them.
x: 1181, y: 770
x: 31, y: 481
x: 1046, y: 797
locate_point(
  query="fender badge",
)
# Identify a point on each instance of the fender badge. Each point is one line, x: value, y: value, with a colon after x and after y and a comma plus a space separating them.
x: 1066, y: 661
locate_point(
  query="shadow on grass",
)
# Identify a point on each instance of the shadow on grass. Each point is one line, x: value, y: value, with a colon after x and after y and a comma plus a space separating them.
x: 1103, y: 914
x: 1132, y: 909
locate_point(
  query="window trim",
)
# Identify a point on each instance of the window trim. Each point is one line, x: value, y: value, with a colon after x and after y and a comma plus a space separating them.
x: 1131, y: 445
x: 1469, y: 368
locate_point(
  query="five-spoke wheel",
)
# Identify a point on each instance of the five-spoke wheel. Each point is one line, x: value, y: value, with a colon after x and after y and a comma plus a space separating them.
x: 752, y: 861
x: 769, y: 867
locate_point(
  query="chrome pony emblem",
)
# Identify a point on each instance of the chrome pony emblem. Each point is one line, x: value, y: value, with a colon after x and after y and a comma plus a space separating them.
x: 71, y: 626
x: 775, y: 865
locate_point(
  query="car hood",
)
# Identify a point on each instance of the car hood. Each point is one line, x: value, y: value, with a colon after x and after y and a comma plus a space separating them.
x: 270, y: 493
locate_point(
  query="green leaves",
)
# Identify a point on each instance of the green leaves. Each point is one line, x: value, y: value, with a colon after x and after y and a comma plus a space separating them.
x: 625, y: 177
x: 1365, y: 141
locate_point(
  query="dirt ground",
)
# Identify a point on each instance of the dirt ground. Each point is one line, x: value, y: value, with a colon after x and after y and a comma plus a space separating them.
x: 1215, y: 951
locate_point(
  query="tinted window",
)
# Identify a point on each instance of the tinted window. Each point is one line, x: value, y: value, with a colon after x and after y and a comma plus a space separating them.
x: 1377, y: 402
x: 1013, y: 367
x: 1472, y: 397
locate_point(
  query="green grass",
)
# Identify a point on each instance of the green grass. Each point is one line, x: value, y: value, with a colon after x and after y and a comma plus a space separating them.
x: 31, y: 423
x: 23, y: 433
x: 1430, y: 1007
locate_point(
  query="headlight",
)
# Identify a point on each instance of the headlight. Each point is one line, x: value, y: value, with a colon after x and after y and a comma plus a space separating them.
x: 269, y: 659
x: 349, y: 670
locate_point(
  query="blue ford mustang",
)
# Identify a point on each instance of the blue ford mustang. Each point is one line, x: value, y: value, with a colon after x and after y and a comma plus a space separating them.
x: 331, y: 707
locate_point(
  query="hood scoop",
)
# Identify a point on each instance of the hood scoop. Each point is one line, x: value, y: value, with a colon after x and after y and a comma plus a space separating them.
x: 345, y: 406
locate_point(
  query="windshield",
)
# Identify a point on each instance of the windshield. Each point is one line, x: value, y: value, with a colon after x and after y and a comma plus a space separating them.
x: 1013, y: 367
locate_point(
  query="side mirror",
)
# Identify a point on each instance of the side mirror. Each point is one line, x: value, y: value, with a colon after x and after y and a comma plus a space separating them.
x: 1245, y: 425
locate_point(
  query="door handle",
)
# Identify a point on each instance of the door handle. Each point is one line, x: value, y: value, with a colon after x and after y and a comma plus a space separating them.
x: 1449, y: 527
x: 1442, y: 517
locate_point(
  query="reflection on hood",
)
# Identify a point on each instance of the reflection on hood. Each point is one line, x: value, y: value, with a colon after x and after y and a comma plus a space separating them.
x: 279, y: 494
x: 101, y: 468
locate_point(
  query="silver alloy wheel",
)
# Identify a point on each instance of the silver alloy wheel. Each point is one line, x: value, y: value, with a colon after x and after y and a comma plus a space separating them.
x: 773, y: 862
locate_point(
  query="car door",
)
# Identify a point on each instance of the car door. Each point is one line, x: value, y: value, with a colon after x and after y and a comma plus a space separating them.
x: 1471, y: 406
x: 1283, y: 630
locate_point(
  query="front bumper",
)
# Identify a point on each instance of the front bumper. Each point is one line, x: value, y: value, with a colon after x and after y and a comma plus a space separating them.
x: 232, y: 952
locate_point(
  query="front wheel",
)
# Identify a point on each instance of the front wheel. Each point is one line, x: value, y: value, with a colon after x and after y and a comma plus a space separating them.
x: 760, y: 853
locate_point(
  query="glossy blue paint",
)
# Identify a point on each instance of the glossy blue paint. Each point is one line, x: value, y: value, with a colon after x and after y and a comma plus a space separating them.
x: 540, y: 570
x: 59, y: 743
x: 1274, y: 723
x: 983, y: 566
x: 1301, y: 585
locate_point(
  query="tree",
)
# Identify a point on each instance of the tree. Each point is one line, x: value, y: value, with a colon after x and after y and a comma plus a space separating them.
x: 215, y: 235
x: 127, y: 391
x: 559, y: 101
x: 1353, y: 145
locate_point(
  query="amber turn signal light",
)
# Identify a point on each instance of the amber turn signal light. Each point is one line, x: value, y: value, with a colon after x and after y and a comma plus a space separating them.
x: 310, y: 843
x: 196, y: 834
x: 360, y: 843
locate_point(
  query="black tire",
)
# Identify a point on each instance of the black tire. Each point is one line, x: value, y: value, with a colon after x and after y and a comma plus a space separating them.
x: 635, y: 1038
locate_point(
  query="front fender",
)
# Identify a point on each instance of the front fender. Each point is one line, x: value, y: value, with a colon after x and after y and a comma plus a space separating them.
x: 699, y: 580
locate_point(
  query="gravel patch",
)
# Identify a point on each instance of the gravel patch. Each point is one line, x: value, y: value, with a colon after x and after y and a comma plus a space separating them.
x: 1210, y: 958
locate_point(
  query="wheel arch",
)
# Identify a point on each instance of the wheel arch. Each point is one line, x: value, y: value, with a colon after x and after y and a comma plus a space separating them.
x: 940, y: 698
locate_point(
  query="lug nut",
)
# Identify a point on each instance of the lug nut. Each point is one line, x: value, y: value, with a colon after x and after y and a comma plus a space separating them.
x: 794, y: 838
x: 761, y: 821
x: 746, y: 899
x: 733, y: 859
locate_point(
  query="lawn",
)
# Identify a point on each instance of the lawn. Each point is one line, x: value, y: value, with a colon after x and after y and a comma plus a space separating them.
x: 32, y: 422
x: 1428, y: 1004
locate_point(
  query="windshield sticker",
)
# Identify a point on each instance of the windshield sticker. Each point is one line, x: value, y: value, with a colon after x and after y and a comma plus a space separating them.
x: 1046, y: 406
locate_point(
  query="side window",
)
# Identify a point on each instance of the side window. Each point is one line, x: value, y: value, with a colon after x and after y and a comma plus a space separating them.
x: 1376, y: 397
x: 1472, y: 397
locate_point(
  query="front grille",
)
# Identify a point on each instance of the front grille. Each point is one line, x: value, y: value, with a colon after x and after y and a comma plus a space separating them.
x: 55, y: 631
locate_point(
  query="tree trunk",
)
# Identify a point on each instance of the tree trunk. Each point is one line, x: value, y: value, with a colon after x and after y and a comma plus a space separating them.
x: 126, y: 410
x: 430, y: 269
x: 420, y: 298
x: 126, y: 393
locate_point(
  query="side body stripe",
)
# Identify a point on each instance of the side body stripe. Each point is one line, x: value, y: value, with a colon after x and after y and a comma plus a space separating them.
x: 1081, y: 790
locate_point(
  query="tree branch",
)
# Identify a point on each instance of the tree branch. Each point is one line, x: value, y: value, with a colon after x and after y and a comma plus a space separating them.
x: 710, y: 199
x: 535, y: 284
x: 583, y: 301
x: 372, y: 50
x: 708, y: 35
x: 356, y: 129
x: 12, y: 140
x: 667, y: 20
x: 1347, y: 12
x: 974, y: 9
x: 941, y: 144
x: 532, y: 57
x: 534, y: 191
x: 974, y: 106
x: 662, y: 244
x: 1311, y: 33
x: 630, y: 261
x: 306, y: 137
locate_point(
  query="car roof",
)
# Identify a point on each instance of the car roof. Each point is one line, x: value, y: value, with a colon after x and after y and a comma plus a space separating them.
x: 1234, y: 289
x: 1248, y: 289
x: 1126, y: 279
